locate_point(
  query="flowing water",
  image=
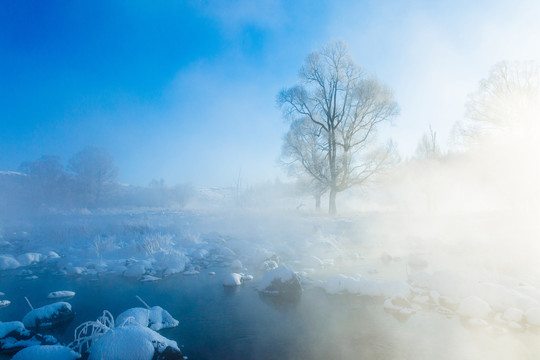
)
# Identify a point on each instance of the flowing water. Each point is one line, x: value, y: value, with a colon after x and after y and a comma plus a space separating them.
x: 238, y: 323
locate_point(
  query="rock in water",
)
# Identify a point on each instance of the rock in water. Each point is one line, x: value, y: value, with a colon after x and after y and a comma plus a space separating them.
x: 49, y: 315
x: 64, y: 294
x: 47, y: 352
x: 156, y: 318
x: 15, y: 337
x: 232, y: 279
x: 170, y: 353
x: 280, y: 281
x: 133, y: 342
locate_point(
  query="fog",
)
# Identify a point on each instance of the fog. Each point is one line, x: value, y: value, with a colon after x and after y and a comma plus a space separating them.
x: 161, y: 183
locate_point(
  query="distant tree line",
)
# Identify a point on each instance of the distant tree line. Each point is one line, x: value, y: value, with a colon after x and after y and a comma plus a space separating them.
x: 89, y: 181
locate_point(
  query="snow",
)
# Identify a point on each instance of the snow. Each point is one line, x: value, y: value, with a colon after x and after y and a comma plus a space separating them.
x: 34, y: 318
x: 149, y: 278
x: 268, y: 265
x: 156, y: 318
x: 513, y: 315
x: 232, y: 279
x: 61, y: 294
x: 46, y: 352
x: 118, y: 344
x: 136, y: 270
x: 8, y: 262
x: 533, y: 316
x: 4, y: 303
x: 170, y: 262
x: 474, y: 307
x: 51, y: 255
x: 7, y: 327
x: 359, y: 285
x: 282, y: 273
x: 29, y: 258
x: 452, y: 284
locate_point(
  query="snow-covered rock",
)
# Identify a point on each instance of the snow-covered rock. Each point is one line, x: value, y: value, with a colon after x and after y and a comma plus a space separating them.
x: 7, y: 327
x: 156, y: 318
x: 136, y: 270
x: 148, y: 278
x: 8, y: 262
x: 48, y: 315
x: 63, y: 294
x: 232, y: 279
x: 170, y: 262
x: 75, y: 270
x: 47, y: 352
x: 132, y: 342
x: 30, y: 258
x: 14, y: 337
x: 280, y: 281
x: 268, y: 265
x: 362, y: 286
x: 52, y: 255
x: 474, y: 307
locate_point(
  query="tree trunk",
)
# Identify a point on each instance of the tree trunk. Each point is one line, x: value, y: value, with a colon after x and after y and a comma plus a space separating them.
x: 318, y: 202
x: 332, y: 210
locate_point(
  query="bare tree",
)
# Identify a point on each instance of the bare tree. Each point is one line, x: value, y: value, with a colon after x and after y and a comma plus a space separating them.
x: 96, y: 173
x: 508, y: 98
x: 428, y: 146
x: 303, y: 153
x: 346, y: 108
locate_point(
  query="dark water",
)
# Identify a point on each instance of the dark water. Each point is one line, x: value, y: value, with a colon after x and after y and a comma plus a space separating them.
x: 223, y: 323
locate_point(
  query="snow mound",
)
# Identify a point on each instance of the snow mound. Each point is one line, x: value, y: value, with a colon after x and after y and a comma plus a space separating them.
x: 130, y: 342
x: 268, y: 265
x: 47, y: 352
x: 156, y: 318
x: 137, y: 270
x: 51, y: 255
x: 344, y: 284
x: 7, y: 327
x: 281, y: 280
x: 14, y: 337
x: 61, y: 294
x: 474, y: 307
x: 170, y: 262
x: 8, y: 262
x: 232, y: 279
x: 149, y: 278
x: 48, y: 315
x: 29, y: 258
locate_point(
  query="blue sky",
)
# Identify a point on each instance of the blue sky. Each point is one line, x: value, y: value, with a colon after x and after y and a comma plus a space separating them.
x: 185, y: 90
